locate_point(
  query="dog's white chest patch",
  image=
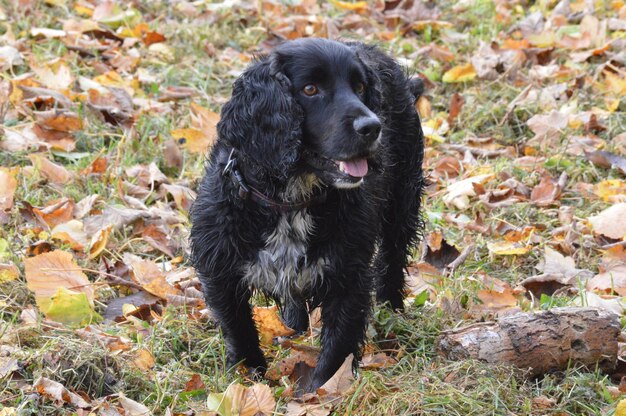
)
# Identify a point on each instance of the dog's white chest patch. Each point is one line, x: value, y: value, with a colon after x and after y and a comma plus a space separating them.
x: 282, y: 267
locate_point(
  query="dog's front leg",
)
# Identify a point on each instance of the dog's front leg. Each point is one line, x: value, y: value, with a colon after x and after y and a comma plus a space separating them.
x: 344, y: 317
x: 230, y: 304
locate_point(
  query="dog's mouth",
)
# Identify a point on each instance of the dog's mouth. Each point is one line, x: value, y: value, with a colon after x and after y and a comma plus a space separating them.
x: 355, y: 168
x: 344, y: 174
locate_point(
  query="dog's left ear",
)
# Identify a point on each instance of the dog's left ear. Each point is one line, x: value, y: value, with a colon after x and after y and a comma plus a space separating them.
x: 262, y: 119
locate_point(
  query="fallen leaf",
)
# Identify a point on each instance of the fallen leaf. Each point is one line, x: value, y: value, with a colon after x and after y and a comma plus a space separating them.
x: 357, y: 6
x: 462, y: 73
x: 71, y: 233
x: 56, y: 213
x: 269, y: 324
x: 144, y: 359
x: 113, y: 343
x: 607, y: 160
x: 8, y: 272
x: 239, y: 400
x: 7, y: 190
x: 150, y: 276
x: 53, y: 172
x: 70, y: 308
x: 340, y: 382
x: 548, y: 191
x: 458, y: 193
x: 509, y: 248
x: 47, y: 272
x: 558, y: 271
x: 195, y: 383
x: 58, y: 393
x: 133, y: 408
x: 610, y: 281
x: 611, y: 222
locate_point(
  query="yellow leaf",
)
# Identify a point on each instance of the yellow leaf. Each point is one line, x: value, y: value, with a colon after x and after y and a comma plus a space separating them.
x: 8, y: 272
x: 148, y: 274
x: 508, y: 248
x: 99, y: 242
x: 111, y: 78
x: 434, y: 24
x: 620, y: 409
x: 614, y: 83
x: 461, y: 73
x: 358, y: 6
x: 195, y: 141
x: 609, y: 189
x: 70, y: 308
x: 542, y: 40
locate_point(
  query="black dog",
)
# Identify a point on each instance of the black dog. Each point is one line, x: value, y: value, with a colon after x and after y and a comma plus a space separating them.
x: 311, y: 195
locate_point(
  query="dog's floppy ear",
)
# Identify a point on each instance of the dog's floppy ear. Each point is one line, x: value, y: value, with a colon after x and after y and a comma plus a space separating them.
x: 262, y: 120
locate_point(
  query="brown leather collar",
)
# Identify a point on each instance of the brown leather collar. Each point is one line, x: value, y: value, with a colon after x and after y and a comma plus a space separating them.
x: 245, y: 191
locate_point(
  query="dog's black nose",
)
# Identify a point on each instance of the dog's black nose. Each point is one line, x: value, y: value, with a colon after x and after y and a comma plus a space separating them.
x: 368, y: 127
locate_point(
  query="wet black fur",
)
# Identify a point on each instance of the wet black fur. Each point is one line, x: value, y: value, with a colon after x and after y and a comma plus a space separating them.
x: 365, y: 233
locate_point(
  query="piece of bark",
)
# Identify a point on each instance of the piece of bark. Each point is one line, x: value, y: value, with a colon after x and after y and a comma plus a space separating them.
x: 541, y: 342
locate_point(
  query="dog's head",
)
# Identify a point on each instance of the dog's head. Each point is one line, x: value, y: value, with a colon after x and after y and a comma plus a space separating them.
x: 311, y: 94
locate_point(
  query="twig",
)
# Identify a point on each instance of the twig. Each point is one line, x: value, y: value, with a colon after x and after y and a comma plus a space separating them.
x: 461, y: 259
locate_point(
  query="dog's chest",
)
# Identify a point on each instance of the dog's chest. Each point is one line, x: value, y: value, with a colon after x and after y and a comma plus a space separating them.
x: 282, y: 266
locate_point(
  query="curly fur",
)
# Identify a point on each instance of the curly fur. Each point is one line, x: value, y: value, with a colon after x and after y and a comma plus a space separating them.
x: 333, y: 254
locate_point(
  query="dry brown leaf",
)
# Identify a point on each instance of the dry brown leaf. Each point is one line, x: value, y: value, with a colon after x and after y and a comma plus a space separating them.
x: 131, y: 407
x: 378, y: 360
x: 341, y: 381
x: 150, y: 276
x: 58, y: 120
x: 53, y: 172
x: 558, y: 271
x: 8, y: 185
x: 548, y: 191
x: 183, y: 196
x: 113, y: 343
x: 611, y: 222
x: 149, y: 176
x: 48, y: 272
x: 195, y: 383
x: 285, y: 367
x: 269, y: 324
x: 611, y: 281
x: 144, y: 359
x: 59, y: 394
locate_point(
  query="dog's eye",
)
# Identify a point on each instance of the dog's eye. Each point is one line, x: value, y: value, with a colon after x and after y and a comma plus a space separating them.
x: 360, y: 88
x: 310, y: 90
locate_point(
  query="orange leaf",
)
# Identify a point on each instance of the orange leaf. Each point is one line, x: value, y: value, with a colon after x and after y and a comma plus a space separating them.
x: 269, y: 324
x: 48, y: 272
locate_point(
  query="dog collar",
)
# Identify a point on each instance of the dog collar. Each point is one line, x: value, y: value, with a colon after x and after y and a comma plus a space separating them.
x: 245, y: 191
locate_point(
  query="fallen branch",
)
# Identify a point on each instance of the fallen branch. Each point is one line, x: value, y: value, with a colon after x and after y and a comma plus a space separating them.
x: 541, y: 342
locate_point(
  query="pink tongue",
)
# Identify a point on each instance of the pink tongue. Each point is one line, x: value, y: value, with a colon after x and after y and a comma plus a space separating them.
x: 356, y: 168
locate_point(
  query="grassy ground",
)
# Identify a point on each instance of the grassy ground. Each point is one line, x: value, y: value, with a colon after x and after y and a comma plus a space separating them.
x: 207, y: 48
